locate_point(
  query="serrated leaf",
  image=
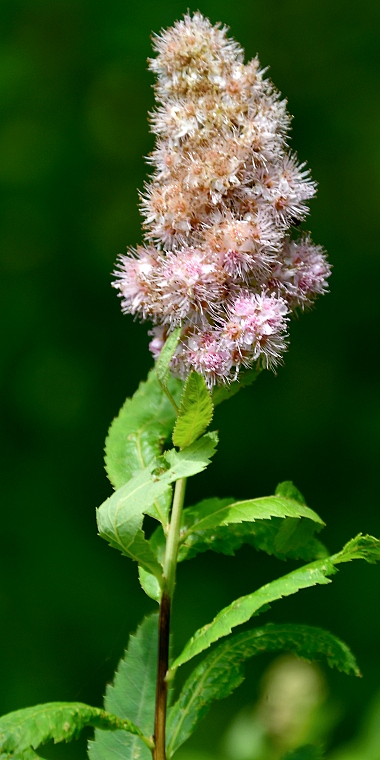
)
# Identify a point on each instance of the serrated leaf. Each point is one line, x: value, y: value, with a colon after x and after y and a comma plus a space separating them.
x: 361, y: 547
x: 203, y: 527
x: 60, y: 721
x: 242, y: 609
x: 287, y: 538
x: 136, y: 435
x: 212, y: 513
x: 245, y: 379
x: 132, y: 693
x: 164, y: 360
x: 222, y: 670
x: 245, y: 607
x: 150, y: 584
x: 120, y: 517
x: 193, y: 459
x: 195, y: 411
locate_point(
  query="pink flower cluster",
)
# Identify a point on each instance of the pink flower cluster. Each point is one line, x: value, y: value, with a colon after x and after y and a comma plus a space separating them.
x: 219, y: 259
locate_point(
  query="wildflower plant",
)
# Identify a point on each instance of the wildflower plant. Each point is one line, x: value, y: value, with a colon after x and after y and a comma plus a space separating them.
x: 221, y: 271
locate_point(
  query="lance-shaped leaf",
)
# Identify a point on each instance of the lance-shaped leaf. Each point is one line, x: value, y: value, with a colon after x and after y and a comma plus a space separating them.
x: 242, y: 609
x: 195, y: 411
x: 60, y: 721
x: 286, y: 526
x: 136, y: 435
x: 281, y: 525
x: 222, y: 670
x: 132, y: 693
x: 120, y: 517
x: 212, y: 513
x: 285, y: 539
x: 164, y: 360
x: 224, y: 392
x: 288, y: 538
x: 203, y: 527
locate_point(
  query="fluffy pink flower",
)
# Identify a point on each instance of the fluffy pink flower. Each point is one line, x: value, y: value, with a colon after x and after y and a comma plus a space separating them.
x: 302, y: 272
x: 219, y: 210
x: 256, y: 327
x: 204, y: 352
x: 190, y: 283
x: 135, y: 281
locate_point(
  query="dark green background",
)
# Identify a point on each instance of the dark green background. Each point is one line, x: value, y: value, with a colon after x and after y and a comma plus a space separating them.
x: 74, y: 92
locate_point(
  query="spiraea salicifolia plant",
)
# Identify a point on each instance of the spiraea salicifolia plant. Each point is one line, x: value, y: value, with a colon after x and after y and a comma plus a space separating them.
x: 218, y: 278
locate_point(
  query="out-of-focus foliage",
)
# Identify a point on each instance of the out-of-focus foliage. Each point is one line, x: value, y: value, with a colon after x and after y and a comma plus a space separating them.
x: 366, y: 745
x: 293, y: 719
x: 223, y: 670
x: 74, y: 93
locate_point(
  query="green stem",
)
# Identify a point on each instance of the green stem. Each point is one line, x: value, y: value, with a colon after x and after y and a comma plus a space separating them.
x: 171, y: 551
x: 169, y: 573
x: 165, y: 389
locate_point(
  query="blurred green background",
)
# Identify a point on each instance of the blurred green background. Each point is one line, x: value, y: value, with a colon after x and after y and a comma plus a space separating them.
x: 74, y: 95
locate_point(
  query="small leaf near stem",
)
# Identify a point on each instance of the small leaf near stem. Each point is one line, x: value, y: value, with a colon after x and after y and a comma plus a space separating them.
x: 169, y: 571
x: 195, y: 411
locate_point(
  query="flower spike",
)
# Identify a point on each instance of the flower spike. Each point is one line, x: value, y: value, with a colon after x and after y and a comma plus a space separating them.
x: 219, y: 211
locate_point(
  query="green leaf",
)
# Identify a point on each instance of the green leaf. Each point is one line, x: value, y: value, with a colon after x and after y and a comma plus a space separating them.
x: 360, y: 547
x: 289, y: 491
x: 222, y: 670
x: 242, y: 609
x: 285, y: 539
x: 245, y: 607
x: 164, y: 360
x: 60, y: 721
x: 137, y: 434
x: 150, y: 584
x: 120, y: 517
x: 193, y: 459
x: 204, y: 527
x: 212, y: 513
x: 133, y: 694
x: 195, y: 412
x: 224, y: 392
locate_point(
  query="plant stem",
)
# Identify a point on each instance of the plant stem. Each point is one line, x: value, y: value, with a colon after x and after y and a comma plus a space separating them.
x: 171, y: 551
x: 169, y: 572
